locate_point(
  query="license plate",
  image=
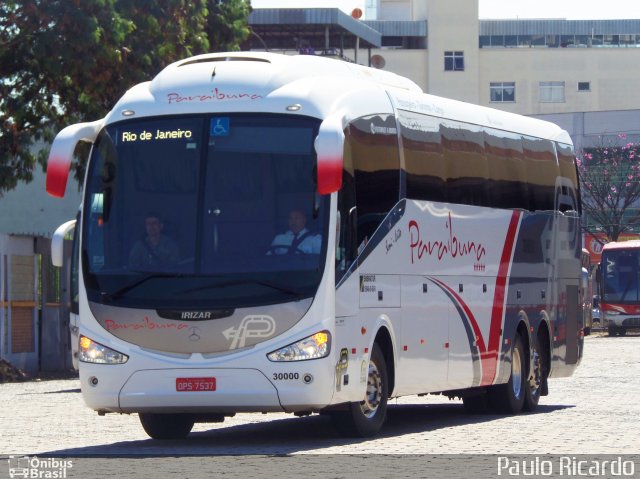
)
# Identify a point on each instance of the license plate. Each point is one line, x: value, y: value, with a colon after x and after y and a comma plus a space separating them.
x: 195, y: 384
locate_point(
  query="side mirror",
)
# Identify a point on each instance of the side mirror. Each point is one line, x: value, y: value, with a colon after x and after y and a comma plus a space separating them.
x: 61, y: 153
x: 329, y: 147
x: 57, y: 242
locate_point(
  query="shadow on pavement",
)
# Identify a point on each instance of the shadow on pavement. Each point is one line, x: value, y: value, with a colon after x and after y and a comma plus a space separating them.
x: 63, y: 391
x: 291, y: 435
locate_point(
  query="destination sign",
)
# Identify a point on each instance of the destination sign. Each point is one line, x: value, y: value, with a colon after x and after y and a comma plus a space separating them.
x: 156, y: 135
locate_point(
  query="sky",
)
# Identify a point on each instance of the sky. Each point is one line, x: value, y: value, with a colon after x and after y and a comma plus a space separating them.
x: 569, y: 9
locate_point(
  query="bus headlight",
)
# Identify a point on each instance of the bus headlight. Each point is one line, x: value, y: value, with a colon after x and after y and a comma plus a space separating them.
x: 313, y: 347
x: 92, y: 352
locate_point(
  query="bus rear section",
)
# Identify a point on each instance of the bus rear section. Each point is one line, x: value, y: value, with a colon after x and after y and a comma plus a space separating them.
x: 619, y: 284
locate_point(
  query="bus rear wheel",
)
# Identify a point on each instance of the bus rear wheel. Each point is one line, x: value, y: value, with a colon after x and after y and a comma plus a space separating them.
x: 509, y: 398
x: 533, y: 385
x: 166, y: 426
x: 365, y: 418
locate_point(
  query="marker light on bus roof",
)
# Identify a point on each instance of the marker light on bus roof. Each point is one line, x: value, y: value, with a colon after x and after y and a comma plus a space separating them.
x: 315, y: 346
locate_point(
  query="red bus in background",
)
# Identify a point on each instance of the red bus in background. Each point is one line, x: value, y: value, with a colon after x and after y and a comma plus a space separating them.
x: 619, y: 286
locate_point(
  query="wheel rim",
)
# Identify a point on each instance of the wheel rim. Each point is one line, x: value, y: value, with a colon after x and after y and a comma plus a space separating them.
x: 516, y: 373
x: 534, y: 382
x: 373, y: 395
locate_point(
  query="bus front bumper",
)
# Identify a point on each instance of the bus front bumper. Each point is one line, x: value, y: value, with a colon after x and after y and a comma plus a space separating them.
x: 177, y: 390
x: 183, y: 390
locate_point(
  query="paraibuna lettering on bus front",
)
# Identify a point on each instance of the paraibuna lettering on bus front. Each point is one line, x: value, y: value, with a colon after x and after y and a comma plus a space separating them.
x: 214, y: 95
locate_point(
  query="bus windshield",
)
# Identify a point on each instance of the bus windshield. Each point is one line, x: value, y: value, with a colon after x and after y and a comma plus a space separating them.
x: 203, y: 212
x: 621, y: 270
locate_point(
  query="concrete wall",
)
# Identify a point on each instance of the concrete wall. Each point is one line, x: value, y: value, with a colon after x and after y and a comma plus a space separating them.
x: 453, y: 26
x: 29, y: 210
x: 395, y: 10
x: 610, y: 72
x: 589, y: 129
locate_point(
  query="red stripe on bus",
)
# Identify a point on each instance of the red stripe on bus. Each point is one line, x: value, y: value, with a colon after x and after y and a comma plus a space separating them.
x: 490, y: 356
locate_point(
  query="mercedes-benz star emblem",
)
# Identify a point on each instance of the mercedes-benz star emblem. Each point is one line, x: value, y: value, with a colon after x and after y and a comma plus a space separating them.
x: 194, y: 336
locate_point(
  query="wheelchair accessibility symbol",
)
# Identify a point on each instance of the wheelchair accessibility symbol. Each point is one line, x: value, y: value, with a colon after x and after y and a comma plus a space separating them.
x: 220, y: 126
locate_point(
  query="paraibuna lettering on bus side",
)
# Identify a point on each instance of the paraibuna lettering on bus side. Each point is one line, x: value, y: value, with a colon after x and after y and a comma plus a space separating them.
x: 450, y: 247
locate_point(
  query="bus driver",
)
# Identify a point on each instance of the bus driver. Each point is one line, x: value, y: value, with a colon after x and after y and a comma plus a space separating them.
x: 298, y: 239
x: 155, y: 249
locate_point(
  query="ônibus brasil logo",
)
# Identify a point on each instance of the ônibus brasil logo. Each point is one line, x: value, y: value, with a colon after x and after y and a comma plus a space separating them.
x: 35, y: 467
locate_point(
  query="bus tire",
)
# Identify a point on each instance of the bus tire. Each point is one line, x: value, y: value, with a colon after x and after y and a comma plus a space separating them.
x: 166, y: 426
x: 365, y: 418
x: 509, y: 398
x: 533, y: 386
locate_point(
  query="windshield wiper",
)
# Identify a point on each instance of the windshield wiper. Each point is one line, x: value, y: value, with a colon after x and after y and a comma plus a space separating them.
x: 108, y: 297
x: 238, y: 282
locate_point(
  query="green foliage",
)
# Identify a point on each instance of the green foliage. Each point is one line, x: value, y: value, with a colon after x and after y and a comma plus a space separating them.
x: 65, y: 61
x: 610, y: 182
x: 226, y: 23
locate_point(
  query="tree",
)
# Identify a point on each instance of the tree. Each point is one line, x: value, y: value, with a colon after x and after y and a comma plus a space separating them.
x: 227, y: 22
x: 610, y: 182
x: 64, y: 61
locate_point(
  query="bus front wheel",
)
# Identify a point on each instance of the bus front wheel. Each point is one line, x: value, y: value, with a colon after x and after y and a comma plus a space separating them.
x: 166, y: 426
x: 365, y: 418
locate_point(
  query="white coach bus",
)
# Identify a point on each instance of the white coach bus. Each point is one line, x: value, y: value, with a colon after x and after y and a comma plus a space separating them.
x: 441, y: 248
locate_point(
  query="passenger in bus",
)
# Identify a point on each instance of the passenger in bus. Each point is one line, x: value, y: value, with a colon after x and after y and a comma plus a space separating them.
x: 156, y: 250
x: 297, y: 239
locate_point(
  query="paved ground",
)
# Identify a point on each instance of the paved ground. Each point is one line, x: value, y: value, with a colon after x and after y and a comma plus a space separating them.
x: 595, y: 412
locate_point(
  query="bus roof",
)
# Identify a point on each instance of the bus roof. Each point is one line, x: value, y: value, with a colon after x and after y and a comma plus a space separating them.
x: 617, y: 245
x: 302, y: 84
x: 261, y: 82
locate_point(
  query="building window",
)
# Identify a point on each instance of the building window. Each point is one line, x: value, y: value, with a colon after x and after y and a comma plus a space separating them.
x: 584, y: 86
x: 502, y: 91
x: 552, y: 40
x: 454, y: 61
x: 551, y: 92
x: 392, y: 42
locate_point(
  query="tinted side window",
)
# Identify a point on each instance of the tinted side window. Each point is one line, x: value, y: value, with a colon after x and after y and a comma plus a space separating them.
x: 347, y: 215
x: 466, y: 164
x: 508, y: 187
x: 570, y: 186
x: 457, y: 162
x: 426, y: 175
x: 74, y: 287
x: 376, y: 162
x: 542, y: 170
